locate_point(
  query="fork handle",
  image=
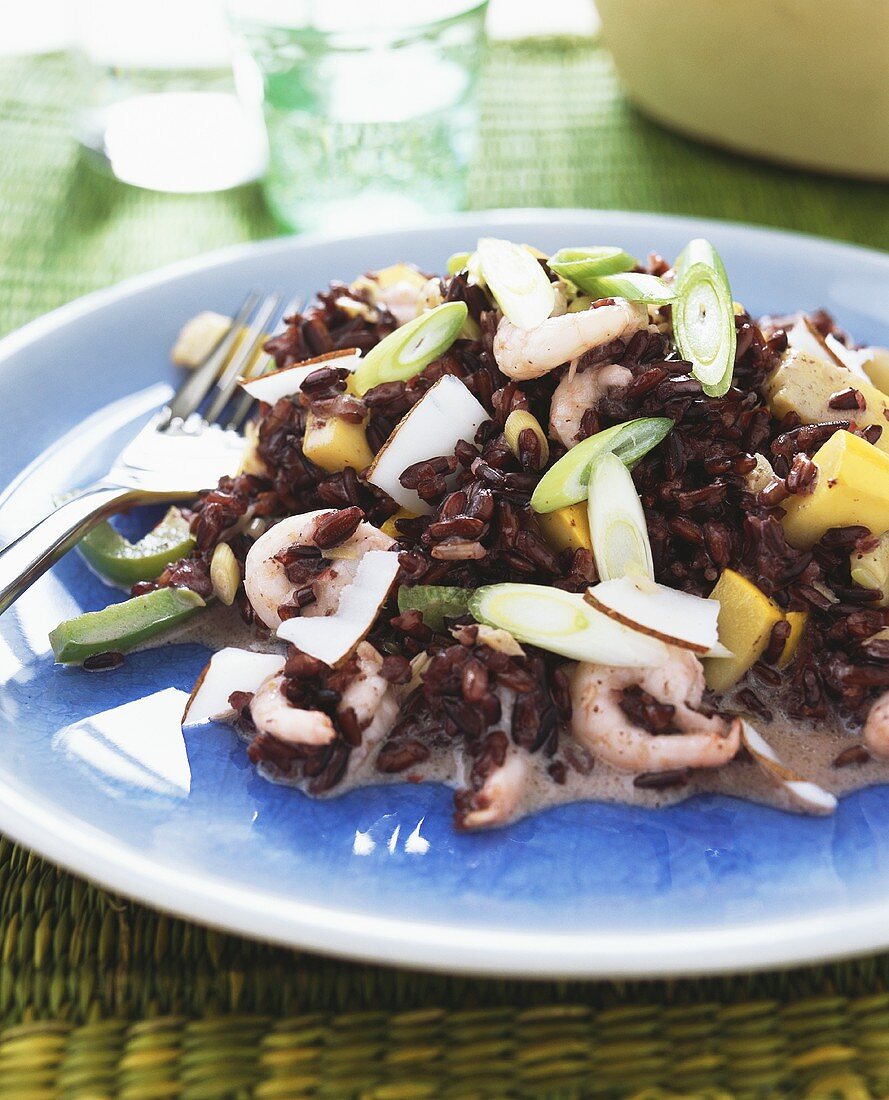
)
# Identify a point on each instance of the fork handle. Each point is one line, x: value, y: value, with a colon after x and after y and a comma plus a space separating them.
x: 31, y: 554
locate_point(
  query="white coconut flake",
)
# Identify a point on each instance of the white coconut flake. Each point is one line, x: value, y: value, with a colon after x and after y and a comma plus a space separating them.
x: 812, y: 797
x: 276, y: 384
x: 678, y: 618
x: 229, y: 670
x: 330, y: 638
x: 803, y: 336
x: 445, y: 414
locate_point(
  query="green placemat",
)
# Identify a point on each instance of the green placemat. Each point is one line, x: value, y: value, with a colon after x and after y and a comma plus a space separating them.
x: 101, y: 997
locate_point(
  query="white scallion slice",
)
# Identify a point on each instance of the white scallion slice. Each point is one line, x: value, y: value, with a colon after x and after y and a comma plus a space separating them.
x: 459, y: 261
x: 579, y: 265
x: 704, y: 316
x: 634, y: 286
x: 229, y: 670
x: 276, y: 384
x: 677, y: 618
x: 517, y: 281
x: 446, y: 413
x: 330, y: 638
x: 812, y: 797
x: 406, y: 351
x: 567, y: 481
x: 564, y: 623
x: 617, y: 522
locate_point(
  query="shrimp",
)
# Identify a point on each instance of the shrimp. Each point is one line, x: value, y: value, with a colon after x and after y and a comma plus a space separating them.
x: 574, y: 395
x: 372, y: 700
x: 266, y: 582
x: 368, y: 696
x: 272, y: 713
x: 599, y: 723
x: 501, y: 793
x: 522, y: 354
x: 876, y: 728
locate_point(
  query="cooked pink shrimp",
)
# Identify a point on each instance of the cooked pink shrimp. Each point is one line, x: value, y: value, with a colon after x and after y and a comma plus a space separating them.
x: 599, y: 723
x: 876, y: 728
x: 372, y: 700
x: 265, y: 580
x: 574, y: 395
x: 529, y: 353
x: 368, y: 696
x: 272, y: 713
x: 501, y: 794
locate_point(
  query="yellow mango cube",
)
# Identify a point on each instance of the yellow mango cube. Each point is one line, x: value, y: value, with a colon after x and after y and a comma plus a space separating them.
x: 746, y: 618
x: 852, y: 488
x: 334, y: 444
x: 804, y: 385
x: 566, y: 528
x: 870, y: 569
x: 876, y: 367
x: 388, y: 526
x: 797, y: 620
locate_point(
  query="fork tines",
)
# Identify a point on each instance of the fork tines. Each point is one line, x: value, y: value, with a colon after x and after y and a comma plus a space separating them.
x: 236, y: 354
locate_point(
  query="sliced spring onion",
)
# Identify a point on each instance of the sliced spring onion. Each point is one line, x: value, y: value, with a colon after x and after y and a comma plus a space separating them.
x: 330, y: 638
x: 564, y: 623
x: 458, y: 262
x: 120, y: 626
x: 518, y: 421
x: 406, y: 351
x: 634, y: 286
x: 617, y: 522
x: 704, y: 316
x: 446, y: 413
x: 517, y: 281
x: 675, y: 617
x: 566, y: 482
x: 579, y: 265
x: 122, y: 562
x: 435, y: 602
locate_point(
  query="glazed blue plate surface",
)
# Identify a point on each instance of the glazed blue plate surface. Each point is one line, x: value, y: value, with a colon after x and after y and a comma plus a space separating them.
x: 95, y: 775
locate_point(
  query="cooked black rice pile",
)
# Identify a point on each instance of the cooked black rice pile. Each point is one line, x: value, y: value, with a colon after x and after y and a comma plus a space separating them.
x: 700, y: 512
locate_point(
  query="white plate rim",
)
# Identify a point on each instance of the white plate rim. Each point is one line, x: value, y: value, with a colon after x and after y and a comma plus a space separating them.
x: 839, y: 932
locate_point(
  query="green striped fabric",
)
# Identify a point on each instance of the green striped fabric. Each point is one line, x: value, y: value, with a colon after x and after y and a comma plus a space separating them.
x: 100, y: 997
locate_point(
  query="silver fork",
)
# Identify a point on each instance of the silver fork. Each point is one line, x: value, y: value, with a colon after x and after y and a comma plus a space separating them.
x: 178, y: 453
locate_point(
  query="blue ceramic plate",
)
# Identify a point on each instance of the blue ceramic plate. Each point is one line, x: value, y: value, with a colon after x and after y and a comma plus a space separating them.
x: 95, y: 776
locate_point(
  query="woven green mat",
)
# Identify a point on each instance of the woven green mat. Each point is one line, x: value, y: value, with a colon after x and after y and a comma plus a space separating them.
x: 100, y: 997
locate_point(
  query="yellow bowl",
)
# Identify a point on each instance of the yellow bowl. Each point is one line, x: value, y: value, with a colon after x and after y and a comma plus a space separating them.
x: 803, y: 82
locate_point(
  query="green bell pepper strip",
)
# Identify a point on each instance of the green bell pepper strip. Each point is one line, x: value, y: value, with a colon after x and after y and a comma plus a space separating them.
x: 121, y: 626
x: 434, y: 602
x: 122, y: 562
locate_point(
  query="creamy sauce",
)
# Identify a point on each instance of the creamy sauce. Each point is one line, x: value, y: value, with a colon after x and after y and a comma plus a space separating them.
x: 808, y: 749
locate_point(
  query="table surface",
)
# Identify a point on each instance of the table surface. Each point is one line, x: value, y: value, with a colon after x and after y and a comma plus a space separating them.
x: 102, y: 997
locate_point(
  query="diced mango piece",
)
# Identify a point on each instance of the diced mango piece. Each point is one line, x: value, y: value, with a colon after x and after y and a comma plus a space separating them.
x: 804, y: 385
x: 797, y: 620
x: 876, y: 367
x: 852, y: 488
x: 388, y: 277
x: 746, y: 618
x: 198, y: 337
x: 251, y: 463
x: 334, y: 444
x: 870, y: 569
x: 566, y: 528
x: 388, y: 526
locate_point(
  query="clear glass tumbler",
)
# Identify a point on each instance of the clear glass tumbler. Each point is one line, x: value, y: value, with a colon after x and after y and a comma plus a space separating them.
x: 370, y: 108
x: 159, y: 105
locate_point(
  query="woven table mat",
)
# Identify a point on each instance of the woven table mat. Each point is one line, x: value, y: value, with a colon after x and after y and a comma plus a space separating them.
x: 101, y: 997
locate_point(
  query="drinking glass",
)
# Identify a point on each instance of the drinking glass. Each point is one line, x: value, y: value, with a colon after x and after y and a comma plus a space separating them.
x: 369, y: 108
x: 160, y: 109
